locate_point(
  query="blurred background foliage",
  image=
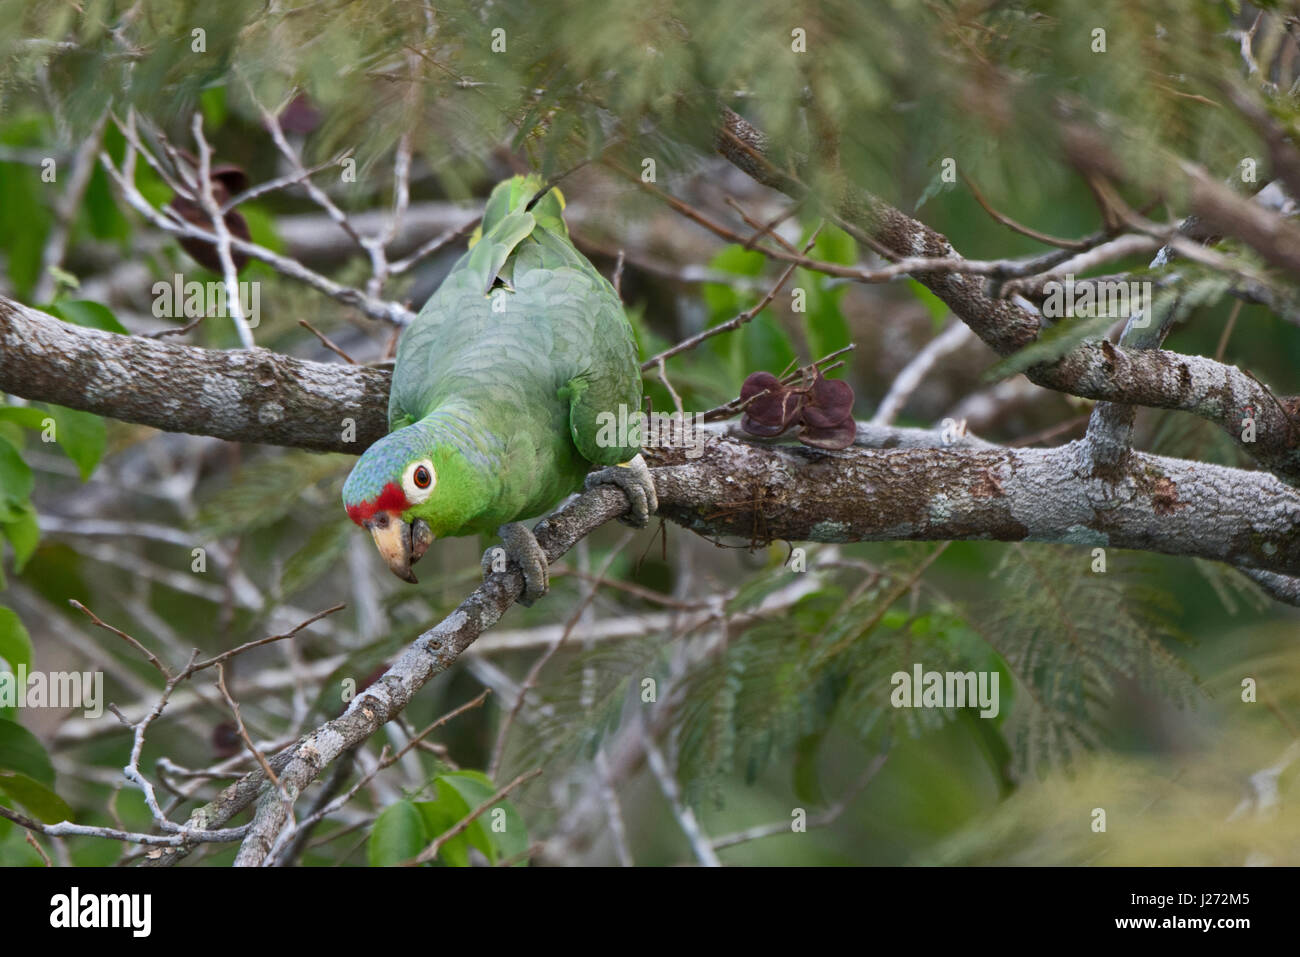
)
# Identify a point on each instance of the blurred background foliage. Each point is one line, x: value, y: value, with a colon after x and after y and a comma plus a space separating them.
x: 1121, y: 691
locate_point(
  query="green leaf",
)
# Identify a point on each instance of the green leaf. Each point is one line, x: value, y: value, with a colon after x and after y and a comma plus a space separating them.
x: 15, y: 481
x: 81, y: 435
x: 441, y: 815
x: 24, y: 534
x: 21, y: 752
x: 318, y: 554
x: 213, y: 103
x: 722, y: 299
x: 15, y: 643
x: 824, y: 324
x: 15, y: 650
x: 261, y: 228
x: 27, y: 416
x: 36, y: 797
x: 765, y: 343
x: 100, y: 211
x: 835, y: 245
x: 24, y: 223
x: 12, y: 433
x: 83, y: 312
x: 398, y: 835
x: 739, y: 260
x: 498, y: 835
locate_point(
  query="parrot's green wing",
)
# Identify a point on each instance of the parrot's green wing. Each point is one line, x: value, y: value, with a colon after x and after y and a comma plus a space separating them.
x: 482, y: 265
x: 538, y: 367
x: 610, y: 384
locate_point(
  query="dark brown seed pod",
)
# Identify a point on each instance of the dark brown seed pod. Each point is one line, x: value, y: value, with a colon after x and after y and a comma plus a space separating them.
x: 829, y: 402
x: 300, y: 116
x: 772, y: 407
x: 227, y: 181
x: 836, y: 437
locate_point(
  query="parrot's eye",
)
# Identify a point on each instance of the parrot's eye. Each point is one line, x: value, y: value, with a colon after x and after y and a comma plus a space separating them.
x: 418, y: 481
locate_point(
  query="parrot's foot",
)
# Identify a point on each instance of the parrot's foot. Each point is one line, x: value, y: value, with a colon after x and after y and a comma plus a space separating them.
x: 635, y: 481
x: 521, y: 547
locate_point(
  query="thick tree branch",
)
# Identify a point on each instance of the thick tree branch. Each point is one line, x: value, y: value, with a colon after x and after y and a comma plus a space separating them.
x: 1093, y: 370
x: 905, y: 490
x: 249, y: 395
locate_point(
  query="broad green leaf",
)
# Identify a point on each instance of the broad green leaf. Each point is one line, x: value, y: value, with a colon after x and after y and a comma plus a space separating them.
x: 834, y: 245
x: 21, y: 752
x: 27, y: 416
x: 824, y: 324
x: 15, y: 643
x: 12, y: 433
x: 100, y: 211
x: 24, y: 223
x: 15, y: 481
x: 15, y: 650
x: 398, y: 835
x: 723, y: 300
x: 765, y: 344
x: 213, y: 103
x: 739, y: 260
x: 261, y: 227
x: 24, y: 534
x: 36, y: 797
x: 81, y: 435
x: 441, y: 815
x: 498, y: 835
x: 84, y: 312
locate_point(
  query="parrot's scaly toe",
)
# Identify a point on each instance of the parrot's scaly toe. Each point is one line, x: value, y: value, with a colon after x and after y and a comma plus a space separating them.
x: 635, y: 481
x: 521, y: 547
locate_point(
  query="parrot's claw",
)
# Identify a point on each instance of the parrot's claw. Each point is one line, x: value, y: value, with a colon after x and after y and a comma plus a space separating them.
x: 635, y: 481
x: 521, y: 547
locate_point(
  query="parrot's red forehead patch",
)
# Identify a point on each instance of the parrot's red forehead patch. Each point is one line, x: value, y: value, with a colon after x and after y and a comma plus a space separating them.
x: 391, y: 499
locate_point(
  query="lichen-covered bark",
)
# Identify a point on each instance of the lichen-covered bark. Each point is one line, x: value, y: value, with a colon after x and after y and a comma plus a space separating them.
x: 1051, y: 495
x: 242, y: 395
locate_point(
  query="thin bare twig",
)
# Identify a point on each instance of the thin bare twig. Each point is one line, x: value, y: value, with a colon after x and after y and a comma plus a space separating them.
x: 325, y: 341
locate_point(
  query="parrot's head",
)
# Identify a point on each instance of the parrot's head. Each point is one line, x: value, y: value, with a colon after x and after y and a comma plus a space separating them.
x: 403, y: 490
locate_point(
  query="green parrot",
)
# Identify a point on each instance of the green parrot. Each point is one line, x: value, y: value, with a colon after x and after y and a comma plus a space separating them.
x: 509, y: 387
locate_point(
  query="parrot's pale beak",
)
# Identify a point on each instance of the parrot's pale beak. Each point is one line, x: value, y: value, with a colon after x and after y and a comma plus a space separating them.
x: 401, y: 544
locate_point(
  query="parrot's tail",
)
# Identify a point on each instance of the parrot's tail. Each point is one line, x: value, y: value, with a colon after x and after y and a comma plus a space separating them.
x: 516, y: 194
x: 515, y: 209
